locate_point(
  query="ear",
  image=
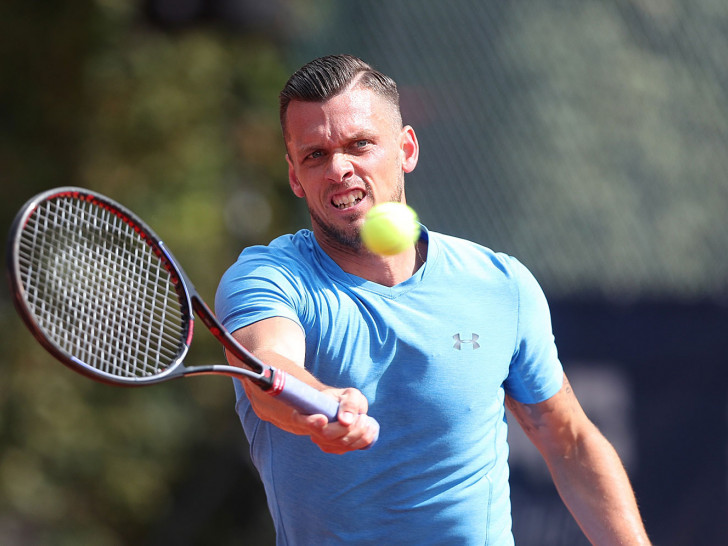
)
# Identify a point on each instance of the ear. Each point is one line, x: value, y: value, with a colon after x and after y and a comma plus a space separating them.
x: 293, y: 179
x: 410, y: 149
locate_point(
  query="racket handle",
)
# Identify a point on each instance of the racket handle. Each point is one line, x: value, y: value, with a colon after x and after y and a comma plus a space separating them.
x: 309, y: 401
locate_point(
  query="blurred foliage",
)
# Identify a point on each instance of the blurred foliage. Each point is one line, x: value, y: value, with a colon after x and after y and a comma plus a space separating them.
x: 170, y: 122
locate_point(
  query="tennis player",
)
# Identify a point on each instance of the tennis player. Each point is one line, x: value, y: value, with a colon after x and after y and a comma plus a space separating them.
x: 433, y: 343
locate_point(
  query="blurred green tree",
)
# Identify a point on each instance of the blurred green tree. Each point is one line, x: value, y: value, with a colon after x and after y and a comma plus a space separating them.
x: 170, y: 123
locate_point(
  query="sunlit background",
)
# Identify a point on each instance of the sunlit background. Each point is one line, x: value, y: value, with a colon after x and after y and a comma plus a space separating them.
x: 588, y: 138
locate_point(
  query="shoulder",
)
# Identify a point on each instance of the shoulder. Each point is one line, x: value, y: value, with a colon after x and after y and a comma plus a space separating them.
x: 267, y: 280
x: 287, y: 256
x: 463, y: 253
x: 281, y: 266
x: 470, y: 261
x: 294, y: 248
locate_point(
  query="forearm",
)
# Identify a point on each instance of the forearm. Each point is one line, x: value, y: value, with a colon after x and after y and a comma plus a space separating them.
x: 594, y: 486
x: 585, y: 468
x: 352, y: 430
x: 268, y: 407
x: 280, y: 343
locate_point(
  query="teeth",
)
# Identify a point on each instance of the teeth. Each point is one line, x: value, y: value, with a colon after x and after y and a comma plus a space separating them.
x: 343, y: 201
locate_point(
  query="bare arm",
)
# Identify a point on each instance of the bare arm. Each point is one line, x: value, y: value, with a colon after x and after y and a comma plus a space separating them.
x: 585, y: 468
x: 280, y: 343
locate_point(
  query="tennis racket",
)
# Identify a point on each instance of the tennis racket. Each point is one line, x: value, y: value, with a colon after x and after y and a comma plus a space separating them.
x: 101, y: 292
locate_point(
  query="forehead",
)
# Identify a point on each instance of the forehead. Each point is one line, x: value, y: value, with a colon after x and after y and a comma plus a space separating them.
x: 352, y: 111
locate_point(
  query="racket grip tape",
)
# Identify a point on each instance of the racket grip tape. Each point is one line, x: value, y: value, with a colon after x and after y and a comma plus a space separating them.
x: 309, y: 401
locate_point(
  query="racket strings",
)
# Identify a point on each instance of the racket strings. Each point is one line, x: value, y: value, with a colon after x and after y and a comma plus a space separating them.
x: 98, y: 290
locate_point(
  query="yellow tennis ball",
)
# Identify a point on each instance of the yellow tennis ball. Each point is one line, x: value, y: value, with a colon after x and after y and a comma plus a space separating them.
x: 390, y: 228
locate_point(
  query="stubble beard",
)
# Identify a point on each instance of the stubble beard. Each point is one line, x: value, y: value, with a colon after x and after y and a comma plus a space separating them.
x: 349, y: 236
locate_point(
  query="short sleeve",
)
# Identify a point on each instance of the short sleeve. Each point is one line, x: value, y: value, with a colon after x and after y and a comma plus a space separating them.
x: 535, y: 372
x: 257, y: 286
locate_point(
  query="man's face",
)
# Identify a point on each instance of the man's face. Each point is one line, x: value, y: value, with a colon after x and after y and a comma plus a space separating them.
x: 344, y: 156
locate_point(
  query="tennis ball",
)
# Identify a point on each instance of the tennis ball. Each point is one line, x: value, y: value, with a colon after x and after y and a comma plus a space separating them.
x: 390, y: 228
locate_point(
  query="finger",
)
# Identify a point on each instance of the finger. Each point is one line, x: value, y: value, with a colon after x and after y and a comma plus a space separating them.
x: 313, y: 424
x: 363, y: 434
x: 352, y: 403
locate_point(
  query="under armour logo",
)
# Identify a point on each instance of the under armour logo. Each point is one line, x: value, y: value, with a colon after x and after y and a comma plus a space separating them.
x: 459, y: 342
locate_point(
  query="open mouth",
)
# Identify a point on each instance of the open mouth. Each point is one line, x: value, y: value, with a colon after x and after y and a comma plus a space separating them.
x: 347, y: 200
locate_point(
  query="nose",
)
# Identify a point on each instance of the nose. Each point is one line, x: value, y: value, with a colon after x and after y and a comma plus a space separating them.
x: 340, y: 167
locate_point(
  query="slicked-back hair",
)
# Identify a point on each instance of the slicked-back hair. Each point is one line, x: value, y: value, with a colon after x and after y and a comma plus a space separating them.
x: 326, y: 77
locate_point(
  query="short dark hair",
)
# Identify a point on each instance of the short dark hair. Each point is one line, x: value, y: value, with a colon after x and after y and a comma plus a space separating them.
x: 326, y: 77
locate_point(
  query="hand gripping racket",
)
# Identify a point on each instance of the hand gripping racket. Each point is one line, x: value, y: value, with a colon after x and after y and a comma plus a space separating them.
x: 101, y: 292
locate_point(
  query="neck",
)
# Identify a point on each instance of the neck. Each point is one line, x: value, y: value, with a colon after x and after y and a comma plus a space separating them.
x: 384, y: 270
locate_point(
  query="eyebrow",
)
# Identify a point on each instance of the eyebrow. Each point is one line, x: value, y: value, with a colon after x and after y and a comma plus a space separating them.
x: 359, y: 135
x: 303, y: 151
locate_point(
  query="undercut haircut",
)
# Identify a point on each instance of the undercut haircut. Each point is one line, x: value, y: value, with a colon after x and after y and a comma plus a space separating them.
x: 326, y: 77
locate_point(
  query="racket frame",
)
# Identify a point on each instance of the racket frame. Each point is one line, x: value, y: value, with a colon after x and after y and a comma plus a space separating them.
x: 190, y: 302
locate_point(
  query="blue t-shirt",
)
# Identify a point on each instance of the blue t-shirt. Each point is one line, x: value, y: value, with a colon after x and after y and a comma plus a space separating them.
x: 434, y: 355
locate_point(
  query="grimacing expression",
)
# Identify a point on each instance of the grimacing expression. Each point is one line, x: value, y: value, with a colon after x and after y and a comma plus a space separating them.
x: 344, y: 156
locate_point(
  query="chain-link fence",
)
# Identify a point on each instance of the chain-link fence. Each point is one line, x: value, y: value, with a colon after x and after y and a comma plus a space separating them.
x: 587, y: 138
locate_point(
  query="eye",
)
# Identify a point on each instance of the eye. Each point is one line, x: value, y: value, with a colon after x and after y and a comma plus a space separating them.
x: 316, y: 154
